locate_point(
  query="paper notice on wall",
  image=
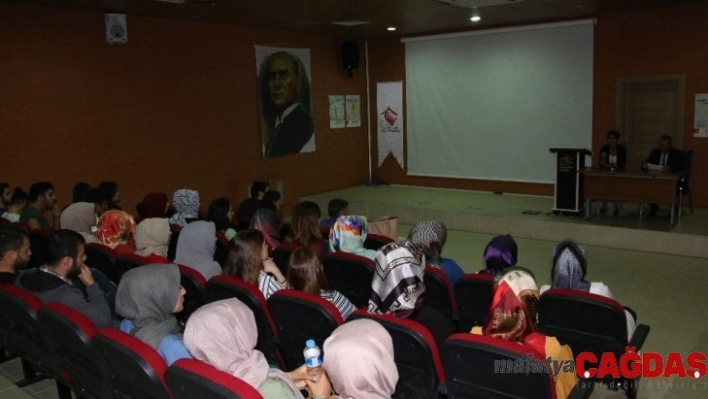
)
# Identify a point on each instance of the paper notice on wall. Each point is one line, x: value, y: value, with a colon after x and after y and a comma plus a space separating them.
x: 353, y: 109
x: 700, y: 123
x: 336, y: 112
x: 389, y: 106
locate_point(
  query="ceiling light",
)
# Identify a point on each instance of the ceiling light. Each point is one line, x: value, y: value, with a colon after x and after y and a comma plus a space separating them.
x: 351, y: 23
x: 475, y: 16
x: 391, y: 28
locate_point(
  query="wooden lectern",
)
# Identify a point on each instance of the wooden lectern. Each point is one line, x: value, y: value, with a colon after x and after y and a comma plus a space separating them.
x: 568, y: 192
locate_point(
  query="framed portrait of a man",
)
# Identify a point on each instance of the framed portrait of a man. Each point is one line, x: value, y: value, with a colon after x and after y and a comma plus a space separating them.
x: 285, y: 102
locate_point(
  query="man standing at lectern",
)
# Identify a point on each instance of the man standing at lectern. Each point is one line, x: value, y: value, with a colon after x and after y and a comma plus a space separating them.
x: 665, y: 157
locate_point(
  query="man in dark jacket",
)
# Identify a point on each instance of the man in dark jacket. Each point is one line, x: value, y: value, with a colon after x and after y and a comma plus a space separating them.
x: 668, y: 158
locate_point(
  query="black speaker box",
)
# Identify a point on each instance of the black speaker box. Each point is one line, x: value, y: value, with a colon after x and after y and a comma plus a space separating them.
x: 350, y: 55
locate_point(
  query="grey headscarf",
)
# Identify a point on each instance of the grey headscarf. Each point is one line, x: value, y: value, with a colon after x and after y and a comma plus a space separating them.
x: 570, y: 265
x: 186, y: 204
x: 431, y: 236
x: 196, y: 246
x: 147, y: 295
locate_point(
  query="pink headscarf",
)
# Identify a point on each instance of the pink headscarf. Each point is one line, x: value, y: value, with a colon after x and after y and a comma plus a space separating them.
x: 358, y: 358
x: 224, y: 334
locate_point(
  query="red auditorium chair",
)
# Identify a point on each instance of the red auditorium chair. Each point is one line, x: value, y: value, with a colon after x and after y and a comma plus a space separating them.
x: 590, y: 323
x: 73, y: 332
x: 420, y: 371
x: 29, y: 339
x: 281, y: 256
x: 221, y: 254
x: 300, y: 316
x: 473, y: 370
x: 136, y: 369
x: 438, y: 292
x: 473, y: 295
x: 103, y: 258
x: 376, y: 241
x: 190, y: 378
x: 174, y: 237
x: 223, y: 287
x: 351, y: 275
x: 125, y: 262
x: 195, y: 285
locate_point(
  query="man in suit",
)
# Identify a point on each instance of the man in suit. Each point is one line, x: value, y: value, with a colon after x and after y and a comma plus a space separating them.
x: 667, y: 157
x: 290, y: 125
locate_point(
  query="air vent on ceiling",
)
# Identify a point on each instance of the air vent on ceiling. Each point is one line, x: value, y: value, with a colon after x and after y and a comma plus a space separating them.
x: 479, y: 3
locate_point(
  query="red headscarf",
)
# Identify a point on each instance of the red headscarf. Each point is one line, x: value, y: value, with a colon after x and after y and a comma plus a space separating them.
x: 154, y: 205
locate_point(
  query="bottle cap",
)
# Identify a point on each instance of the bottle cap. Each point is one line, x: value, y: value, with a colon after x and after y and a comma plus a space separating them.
x: 310, y: 343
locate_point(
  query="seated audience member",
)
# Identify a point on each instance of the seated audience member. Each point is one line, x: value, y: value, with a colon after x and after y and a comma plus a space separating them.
x: 348, y: 235
x: 220, y: 212
x: 79, y: 192
x: 335, y: 208
x: 5, y: 197
x: 269, y: 223
x: 224, y: 334
x: 196, y: 247
x: 306, y: 227
x: 14, y: 253
x: 249, y: 261
x: 154, y: 205
x: 499, y: 255
x: 18, y: 202
x: 147, y: 298
x: 109, y: 189
x: 359, y: 362
x: 431, y: 236
x: 68, y: 280
x: 248, y: 207
x: 398, y: 289
x: 272, y: 200
x: 42, y: 199
x: 613, y: 156
x: 512, y: 317
x: 115, y: 230
x: 81, y: 218
x: 99, y: 201
x: 570, y: 265
x: 306, y: 274
x: 186, y: 204
x: 667, y: 158
x: 152, y: 238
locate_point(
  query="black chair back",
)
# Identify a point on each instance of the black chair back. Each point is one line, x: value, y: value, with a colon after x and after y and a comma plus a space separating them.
x: 438, y: 292
x: 473, y: 295
x: 195, y: 285
x: 103, y: 258
x: 351, y: 275
x: 189, y: 378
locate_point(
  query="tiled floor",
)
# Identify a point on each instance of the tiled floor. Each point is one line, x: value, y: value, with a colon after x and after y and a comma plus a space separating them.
x: 666, y: 290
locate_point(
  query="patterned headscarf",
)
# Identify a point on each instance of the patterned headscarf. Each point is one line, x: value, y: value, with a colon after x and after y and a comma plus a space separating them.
x: 152, y: 236
x: 186, y: 204
x: 115, y: 227
x: 431, y: 236
x: 397, y: 286
x: 348, y: 235
x: 268, y: 222
x: 358, y: 358
x: 512, y: 313
x: 500, y: 254
x: 224, y: 334
x: 147, y: 295
x: 570, y: 266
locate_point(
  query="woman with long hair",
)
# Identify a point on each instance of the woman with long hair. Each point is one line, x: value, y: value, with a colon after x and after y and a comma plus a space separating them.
x: 306, y: 227
x: 220, y: 212
x: 248, y: 260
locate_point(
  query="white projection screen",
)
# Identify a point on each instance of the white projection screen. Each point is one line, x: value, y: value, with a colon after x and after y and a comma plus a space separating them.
x: 490, y: 104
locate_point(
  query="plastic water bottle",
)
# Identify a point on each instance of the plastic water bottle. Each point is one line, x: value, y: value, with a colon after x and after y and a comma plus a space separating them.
x: 313, y: 360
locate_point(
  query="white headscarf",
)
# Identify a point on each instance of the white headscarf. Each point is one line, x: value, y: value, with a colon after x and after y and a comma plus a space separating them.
x: 152, y: 236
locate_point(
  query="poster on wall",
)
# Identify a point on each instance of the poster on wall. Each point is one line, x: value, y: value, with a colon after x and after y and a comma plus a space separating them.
x: 336, y: 112
x: 700, y: 120
x: 284, y: 101
x: 353, y: 110
x: 389, y: 106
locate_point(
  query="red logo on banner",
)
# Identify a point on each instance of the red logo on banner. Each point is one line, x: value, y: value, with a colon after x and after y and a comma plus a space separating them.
x: 390, y: 116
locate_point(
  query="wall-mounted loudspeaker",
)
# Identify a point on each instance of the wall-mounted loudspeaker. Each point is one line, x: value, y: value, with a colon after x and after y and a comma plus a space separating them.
x: 350, y: 56
x: 116, y: 28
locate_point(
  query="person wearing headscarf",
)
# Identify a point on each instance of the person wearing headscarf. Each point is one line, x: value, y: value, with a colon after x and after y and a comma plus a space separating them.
x: 196, y: 247
x: 348, y: 235
x: 81, y: 218
x: 152, y: 238
x: 224, y: 334
x: 512, y: 317
x: 358, y: 359
x: 431, y: 236
x: 115, y: 230
x: 398, y: 289
x: 154, y: 205
x: 570, y: 265
x: 186, y: 203
x: 500, y: 254
x: 269, y: 223
x: 147, y: 297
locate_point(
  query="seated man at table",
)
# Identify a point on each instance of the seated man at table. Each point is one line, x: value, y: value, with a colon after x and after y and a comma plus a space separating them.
x: 667, y: 158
